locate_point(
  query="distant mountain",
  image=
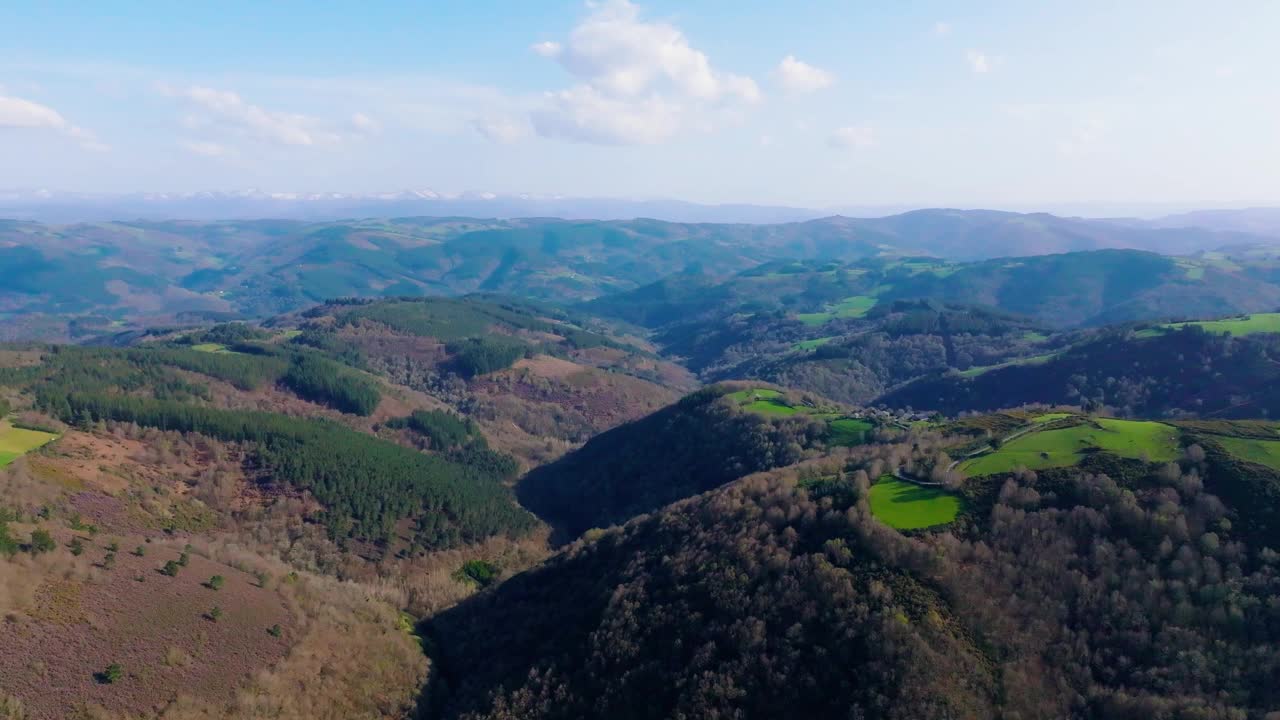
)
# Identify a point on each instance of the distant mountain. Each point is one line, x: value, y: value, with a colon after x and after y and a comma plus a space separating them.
x: 110, y: 276
x: 1256, y: 221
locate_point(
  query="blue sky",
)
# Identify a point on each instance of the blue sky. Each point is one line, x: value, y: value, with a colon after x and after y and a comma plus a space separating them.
x: 1000, y: 104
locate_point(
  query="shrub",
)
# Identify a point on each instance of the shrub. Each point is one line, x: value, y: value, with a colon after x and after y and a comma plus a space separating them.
x: 275, y: 631
x: 171, y: 568
x: 183, y: 559
x: 113, y: 674
x: 77, y: 547
x: 140, y: 551
x: 41, y: 541
x: 215, y: 613
x: 216, y: 582
x: 480, y: 572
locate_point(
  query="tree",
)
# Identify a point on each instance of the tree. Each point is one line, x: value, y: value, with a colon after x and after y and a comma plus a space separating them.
x: 113, y: 674
x: 41, y: 541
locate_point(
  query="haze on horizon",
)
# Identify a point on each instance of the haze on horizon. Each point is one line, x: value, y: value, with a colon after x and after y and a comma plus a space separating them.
x: 1063, y: 104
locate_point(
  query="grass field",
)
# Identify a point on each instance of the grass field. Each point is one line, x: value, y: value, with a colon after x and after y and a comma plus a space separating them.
x: 763, y: 401
x: 16, y: 442
x: 1033, y: 360
x: 1064, y: 447
x: 813, y: 344
x: 848, y: 431
x: 1263, y: 452
x: 1244, y: 325
x: 210, y: 348
x: 1049, y: 417
x: 905, y: 506
x: 850, y: 307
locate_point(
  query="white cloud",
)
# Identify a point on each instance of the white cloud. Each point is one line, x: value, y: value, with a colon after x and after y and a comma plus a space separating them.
x: 547, y: 48
x: 585, y: 114
x: 800, y: 77
x: 17, y: 113
x: 980, y: 62
x: 501, y: 128
x: 206, y: 149
x: 852, y: 137
x: 365, y: 125
x: 942, y: 29
x: 638, y: 81
x: 227, y: 111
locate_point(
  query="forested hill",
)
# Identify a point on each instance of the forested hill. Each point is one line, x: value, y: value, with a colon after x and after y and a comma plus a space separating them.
x: 1066, y: 290
x: 1185, y: 370
x: 87, y: 279
x: 1121, y: 589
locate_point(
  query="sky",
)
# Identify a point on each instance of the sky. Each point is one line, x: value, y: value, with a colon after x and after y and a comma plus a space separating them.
x: 814, y: 104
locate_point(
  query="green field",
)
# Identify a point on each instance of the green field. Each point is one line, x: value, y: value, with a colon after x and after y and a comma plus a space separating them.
x: 850, y: 307
x: 1067, y: 446
x: 906, y: 506
x: 848, y: 431
x: 763, y: 401
x: 210, y: 348
x: 1049, y: 417
x: 16, y: 442
x: 1244, y: 325
x: 813, y: 344
x: 1263, y: 452
x: 1033, y: 360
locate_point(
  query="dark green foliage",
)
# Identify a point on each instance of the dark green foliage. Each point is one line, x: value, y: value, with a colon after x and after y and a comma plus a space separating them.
x: 216, y: 582
x: 214, y: 614
x: 330, y: 383
x: 41, y: 542
x: 171, y: 568
x: 483, y: 355
x: 703, y: 441
x: 444, y: 429
x: 113, y: 674
x: 246, y: 372
x: 8, y: 545
x: 275, y: 631
x: 77, y: 547
x: 365, y: 483
x: 480, y: 572
x: 230, y: 334
x: 5, y: 408
x: 183, y: 559
x: 140, y: 551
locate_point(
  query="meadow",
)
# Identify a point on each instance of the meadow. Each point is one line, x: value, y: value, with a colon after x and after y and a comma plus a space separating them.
x: 1237, y: 326
x: 1063, y: 447
x: 1263, y: 452
x: 850, y: 307
x: 764, y: 401
x: 849, y: 431
x: 906, y: 506
x: 16, y: 442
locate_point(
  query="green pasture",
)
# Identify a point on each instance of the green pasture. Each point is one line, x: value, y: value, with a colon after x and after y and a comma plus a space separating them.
x: 1063, y: 447
x: 848, y: 431
x: 1263, y: 452
x: 906, y: 506
x: 16, y: 442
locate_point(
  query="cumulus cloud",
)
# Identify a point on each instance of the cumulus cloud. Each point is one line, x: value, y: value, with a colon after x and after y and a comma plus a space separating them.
x: 503, y: 129
x: 227, y: 111
x: 638, y: 81
x: 800, y: 77
x: 980, y: 62
x: 852, y: 137
x: 17, y: 113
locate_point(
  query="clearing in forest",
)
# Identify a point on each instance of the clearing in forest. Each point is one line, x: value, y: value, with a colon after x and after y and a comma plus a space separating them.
x: 848, y: 431
x: 16, y: 442
x: 1236, y: 326
x: 850, y: 307
x: 906, y: 506
x: 1062, y: 447
x: 763, y: 401
x: 1263, y: 452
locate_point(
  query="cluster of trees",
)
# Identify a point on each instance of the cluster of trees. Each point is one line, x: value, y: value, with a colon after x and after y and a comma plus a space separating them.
x: 324, y: 381
x: 703, y: 441
x: 483, y: 355
x: 443, y: 429
x: 365, y: 484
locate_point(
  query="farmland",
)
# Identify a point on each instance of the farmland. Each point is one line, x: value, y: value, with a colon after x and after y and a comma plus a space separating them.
x: 849, y: 431
x: 1062, y: 447
x: 764, y: 401
x: 1236, y: 326
x: 907, y: 506
x: 850, y: 307
x: 16, y: 442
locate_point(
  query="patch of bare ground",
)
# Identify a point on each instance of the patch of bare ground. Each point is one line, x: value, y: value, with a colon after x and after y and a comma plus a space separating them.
x: 160, y: 629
